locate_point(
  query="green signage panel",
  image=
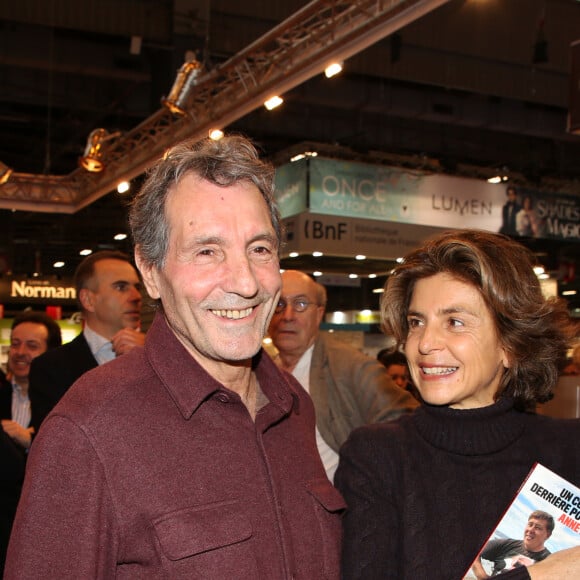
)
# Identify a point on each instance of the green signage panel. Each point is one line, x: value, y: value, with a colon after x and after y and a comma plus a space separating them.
x: 291, y: 188
x: 362, y: 190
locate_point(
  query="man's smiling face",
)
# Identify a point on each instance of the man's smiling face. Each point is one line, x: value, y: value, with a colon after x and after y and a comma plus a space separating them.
x: 220, y: 281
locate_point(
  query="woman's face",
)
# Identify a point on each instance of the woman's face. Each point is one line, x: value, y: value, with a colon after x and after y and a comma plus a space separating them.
x: 454, y: 353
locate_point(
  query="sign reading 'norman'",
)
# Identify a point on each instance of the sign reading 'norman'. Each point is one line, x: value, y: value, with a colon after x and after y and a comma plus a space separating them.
x: 22, y: 289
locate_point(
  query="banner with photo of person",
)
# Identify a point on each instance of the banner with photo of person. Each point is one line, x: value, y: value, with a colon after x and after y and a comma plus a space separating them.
x: 379, y: 192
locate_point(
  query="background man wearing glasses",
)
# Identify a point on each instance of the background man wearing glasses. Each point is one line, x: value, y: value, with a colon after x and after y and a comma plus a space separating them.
x: 348, y: 388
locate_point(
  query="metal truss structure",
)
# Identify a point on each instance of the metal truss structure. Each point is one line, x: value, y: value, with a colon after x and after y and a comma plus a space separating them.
x: 288, y: 55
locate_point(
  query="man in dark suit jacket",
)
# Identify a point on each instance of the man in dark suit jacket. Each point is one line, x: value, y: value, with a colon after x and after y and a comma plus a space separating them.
x: 31, y: 335
x: 12, y: 459
x: 52, y: 376
x: 5, y: 397
x: 13, y: 462
x: 109, y: 294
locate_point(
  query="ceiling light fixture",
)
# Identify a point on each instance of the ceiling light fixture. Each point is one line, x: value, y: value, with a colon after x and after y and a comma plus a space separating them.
x: 273, y: 102
x: 293, y: 254
x: 5, y: 173
x: 185, y: 79
x: 317, y: 254
x: 123, y: 186
x: 216, y: 134
x: 339, y: 317
x: 92, y: 160
x: 303, y: 156
x: 333, y: 69
x: 360, y: 257
x: 58, y: 265
x: 120, y: 237
x: 86, y: 252
x: 498, y: 179
x: 317, y: 273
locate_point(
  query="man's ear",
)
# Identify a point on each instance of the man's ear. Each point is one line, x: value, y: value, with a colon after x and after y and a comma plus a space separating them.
x: 149, y: 274
x: 86, y: 299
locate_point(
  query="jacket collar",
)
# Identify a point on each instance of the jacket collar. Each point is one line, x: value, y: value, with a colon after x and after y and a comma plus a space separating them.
x: 189, y: 385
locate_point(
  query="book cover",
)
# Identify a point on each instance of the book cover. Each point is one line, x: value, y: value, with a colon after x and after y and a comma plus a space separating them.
x: 543, y: 518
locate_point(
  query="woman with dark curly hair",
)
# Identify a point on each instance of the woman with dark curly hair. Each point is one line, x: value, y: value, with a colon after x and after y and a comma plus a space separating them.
x: 484, y: 346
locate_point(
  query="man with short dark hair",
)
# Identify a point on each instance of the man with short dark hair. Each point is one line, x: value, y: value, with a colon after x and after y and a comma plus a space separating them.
x: 395, y: 362
x: 509, y: 554
x: 109, y: 295
x: 32, y: 334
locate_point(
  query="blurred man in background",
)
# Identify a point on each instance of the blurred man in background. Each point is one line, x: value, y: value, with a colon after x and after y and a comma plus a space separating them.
x: 109, y: 295
x: 348, y: 388
x: 32, y: 334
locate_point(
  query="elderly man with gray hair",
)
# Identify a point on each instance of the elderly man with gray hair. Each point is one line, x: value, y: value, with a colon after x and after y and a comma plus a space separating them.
x: 193, y: 456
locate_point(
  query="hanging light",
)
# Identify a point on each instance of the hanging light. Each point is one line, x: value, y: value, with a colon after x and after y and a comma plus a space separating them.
x: 273, y: 102
x: 215, y: 134
x: 123, y: 186
x: 186, y: 78
x: 92, y: 160
x: 303, y: 156
x: 5, y: 173
x: 333, y: 69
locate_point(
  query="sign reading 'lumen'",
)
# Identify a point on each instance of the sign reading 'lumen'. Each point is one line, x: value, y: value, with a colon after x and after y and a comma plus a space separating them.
x: 24, y: 290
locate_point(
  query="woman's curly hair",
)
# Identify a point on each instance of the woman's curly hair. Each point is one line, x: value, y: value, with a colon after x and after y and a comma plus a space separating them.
x: 534, y: 331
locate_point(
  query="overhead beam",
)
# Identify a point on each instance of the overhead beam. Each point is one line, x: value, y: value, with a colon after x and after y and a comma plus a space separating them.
x: 287, y: 56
